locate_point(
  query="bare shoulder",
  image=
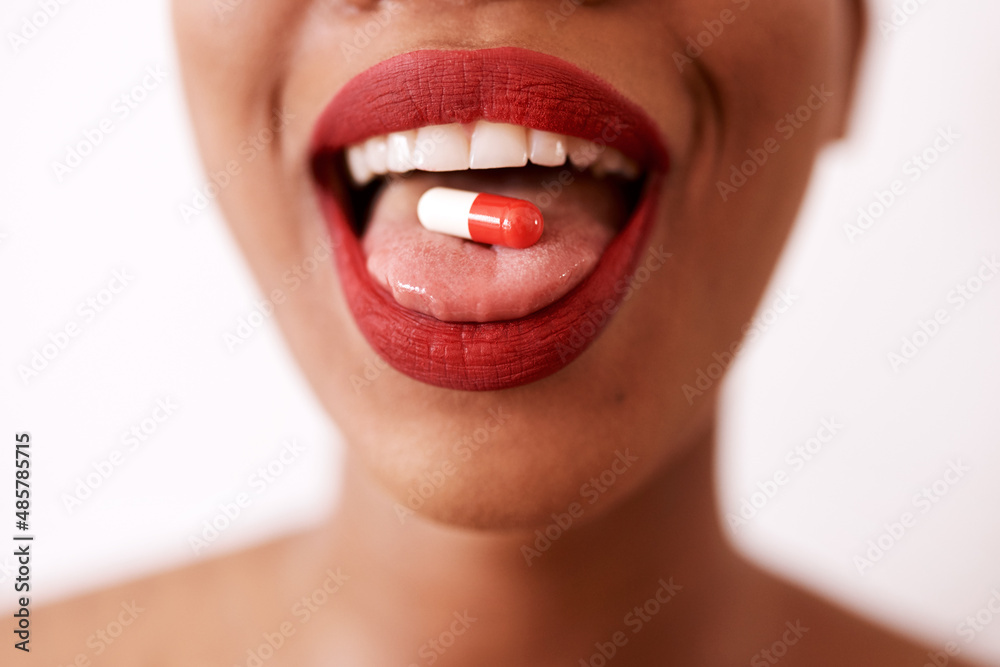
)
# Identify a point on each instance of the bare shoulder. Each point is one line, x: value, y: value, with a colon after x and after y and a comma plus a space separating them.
x: 819, y: 633
x: 206, y: 613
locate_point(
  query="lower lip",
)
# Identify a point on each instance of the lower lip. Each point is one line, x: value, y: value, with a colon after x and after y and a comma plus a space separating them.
x: 485, y: 356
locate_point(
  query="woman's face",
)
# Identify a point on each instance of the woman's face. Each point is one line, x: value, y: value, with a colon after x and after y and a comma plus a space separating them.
x: 721, y: 105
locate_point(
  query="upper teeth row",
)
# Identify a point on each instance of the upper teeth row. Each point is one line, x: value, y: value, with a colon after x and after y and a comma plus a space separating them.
x: 480, y: 145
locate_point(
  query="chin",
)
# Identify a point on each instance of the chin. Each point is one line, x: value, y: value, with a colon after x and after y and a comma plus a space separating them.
x: 578, y: 442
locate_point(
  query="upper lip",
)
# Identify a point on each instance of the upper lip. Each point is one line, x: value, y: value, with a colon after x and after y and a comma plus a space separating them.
x: 584, y: 106
x: 503, y: 85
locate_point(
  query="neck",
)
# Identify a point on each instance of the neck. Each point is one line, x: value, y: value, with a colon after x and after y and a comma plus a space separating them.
x: 656, y: 560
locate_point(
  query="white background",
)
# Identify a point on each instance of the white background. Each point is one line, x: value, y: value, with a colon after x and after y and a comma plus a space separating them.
x: 162, y: 336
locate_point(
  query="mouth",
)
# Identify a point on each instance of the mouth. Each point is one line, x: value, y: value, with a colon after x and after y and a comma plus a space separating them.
x: 458, y: 314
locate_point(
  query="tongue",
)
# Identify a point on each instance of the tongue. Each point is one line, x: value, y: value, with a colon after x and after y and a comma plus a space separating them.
x: 456, y: 280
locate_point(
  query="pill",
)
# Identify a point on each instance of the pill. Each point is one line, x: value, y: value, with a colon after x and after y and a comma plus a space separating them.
x: 481, y: 217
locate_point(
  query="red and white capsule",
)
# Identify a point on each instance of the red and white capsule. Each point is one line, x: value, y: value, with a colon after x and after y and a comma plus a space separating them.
x: 481, y: 217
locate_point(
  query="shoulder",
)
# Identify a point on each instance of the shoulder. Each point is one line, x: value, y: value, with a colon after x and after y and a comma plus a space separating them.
x: 819, y: 633
x: 192, y: 616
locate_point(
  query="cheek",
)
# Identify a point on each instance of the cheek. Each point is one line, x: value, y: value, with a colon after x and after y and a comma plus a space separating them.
x: 732, y: 203
x: 230, y: 66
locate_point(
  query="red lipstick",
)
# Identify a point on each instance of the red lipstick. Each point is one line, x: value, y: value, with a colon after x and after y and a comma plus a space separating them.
x: 503, y: 85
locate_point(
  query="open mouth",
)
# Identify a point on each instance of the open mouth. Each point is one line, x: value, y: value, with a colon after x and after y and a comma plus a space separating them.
x: 506, y: 121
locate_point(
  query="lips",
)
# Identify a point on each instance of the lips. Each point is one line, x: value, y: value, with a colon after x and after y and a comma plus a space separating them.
x: 515, y: 87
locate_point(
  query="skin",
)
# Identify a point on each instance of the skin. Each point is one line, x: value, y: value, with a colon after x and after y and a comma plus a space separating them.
x: 464, y: 550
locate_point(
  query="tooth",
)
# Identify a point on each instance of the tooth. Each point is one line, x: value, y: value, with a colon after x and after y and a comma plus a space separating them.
x: 612, y: 161
x: 497, y: 145
x: 375, y: 154
x: 582, y: 153
x: 619, y: 164
x: 357, y: 164
x: 399, y: 150
x: 441, y: 148
x: 547, y: 148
